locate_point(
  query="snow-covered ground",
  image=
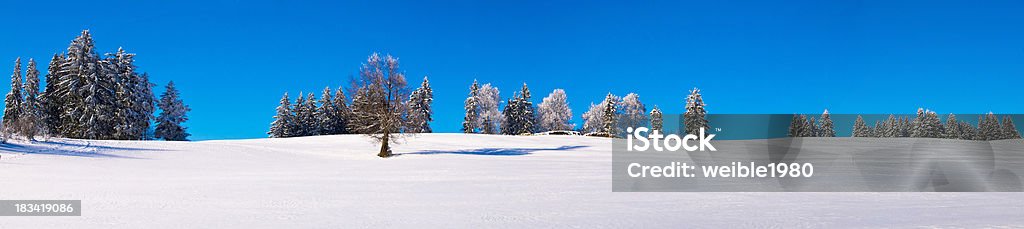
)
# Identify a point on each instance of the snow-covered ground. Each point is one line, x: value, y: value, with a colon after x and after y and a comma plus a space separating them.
x: 437, y: 180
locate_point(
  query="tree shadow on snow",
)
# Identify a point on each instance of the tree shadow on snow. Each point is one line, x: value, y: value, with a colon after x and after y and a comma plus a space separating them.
x: 85, y: 149
x: 493, y: 151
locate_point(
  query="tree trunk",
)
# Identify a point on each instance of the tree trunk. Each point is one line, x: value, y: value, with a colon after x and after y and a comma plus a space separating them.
x: 385, y: 150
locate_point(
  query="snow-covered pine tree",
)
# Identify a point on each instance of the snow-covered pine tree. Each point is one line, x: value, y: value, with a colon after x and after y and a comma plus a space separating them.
x: 385, y: 92
x: 301, y: 115
x: 796, y: 126
x: 610, y: 115
x: 904, y: 127
x: 470, y: 122
x: 967, y: 132
x: 490, y: 118
x: 933, y: 126
x: 340, y: 125
x: 952, y: 130
x: 812, y: 126
x: 310, y: 118
x: 13, y: 102
x: 420, y: 113
x: 827, y: 129
x: 173, y: 112
x: 1009, y: 129
x: 633, y: 113
x: 327, y: 113
x: 526, y: 112
x: 51, y: 98
x: 554, y: 112
x: 695, y: 116
x: 283, y: 120
x: 989, y: 128
x: 891, y: 127
x: 31, y: 113
x: 860, y: 128
x: 657, y: 123
x: 919, y: 127
x: 510, y: 121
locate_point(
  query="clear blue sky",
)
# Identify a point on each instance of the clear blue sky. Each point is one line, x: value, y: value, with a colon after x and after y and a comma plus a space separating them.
x: 233, y: 60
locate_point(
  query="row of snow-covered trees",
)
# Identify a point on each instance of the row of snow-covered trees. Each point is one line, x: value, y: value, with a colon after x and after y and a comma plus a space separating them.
x: 927, y: 125
x: 802, y: 126
x: 611, y: 117
x: 334, y: 115
x: 90, y: 97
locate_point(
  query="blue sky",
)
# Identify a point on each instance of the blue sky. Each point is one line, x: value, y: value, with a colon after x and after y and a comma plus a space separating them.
x: 232, y: 60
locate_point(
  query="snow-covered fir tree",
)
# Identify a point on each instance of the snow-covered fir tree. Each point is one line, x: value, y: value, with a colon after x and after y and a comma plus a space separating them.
x: 173, y: 112
x: 527, y: 112
x: 13, y: 101
x: 967, y: 132
x: 610, y: 115
x: 989, y: 128
x: 509, y: 124
x: 796, y: 126
x: 31, y: 113
x: 343, y: 115
x: 952, y: 130
x: 490, y: 119
x: 327, y: 114
x: 554, y: 112
x: 284, y: 120
x: 827, y: 128
x: 301, y: 115
x: 657, y: 123
x: 309, y: 119
x: 594, y: 118
x: 878, y: 130
x: 891, y: 127
x: 420, y: 113
x: 632, y: 113
x: 384, y: 91
x: 51, y: 98
x: 860, y: 128
x: 695, y: 116
x: 1009, y: 129
x: 471, y: 120
x: 812, y: 127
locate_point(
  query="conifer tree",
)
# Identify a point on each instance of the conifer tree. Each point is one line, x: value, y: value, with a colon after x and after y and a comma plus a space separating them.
x: 608, y: 127
x: 344, y: 113
x: 1009, y: 129
x: 50, y: 99
x: 695, y: 116
x: 419, y: 108
x: 860, y: 128
x: 796, y: 126
x: 310, y: 118
x: 13, y: 102
x: 827, y: 128
x: 812, y: 128
x: 989, y: 128
x: 173, y: 112
x: 470, y: 123
x: 31, y: 113
x: 299, y: 107
x: 327, y: 113
x: 656, y: 120
x: 952, y: 130
x: 282, y: 126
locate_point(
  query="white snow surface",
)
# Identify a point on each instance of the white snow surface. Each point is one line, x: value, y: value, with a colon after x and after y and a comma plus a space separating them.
x: 436, y: 181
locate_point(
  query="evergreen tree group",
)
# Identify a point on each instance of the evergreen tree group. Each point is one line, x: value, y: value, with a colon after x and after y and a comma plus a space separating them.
x: 87, y: 96
x: 802, y: 126
x: 927, y: 124
x: 518, y: 114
